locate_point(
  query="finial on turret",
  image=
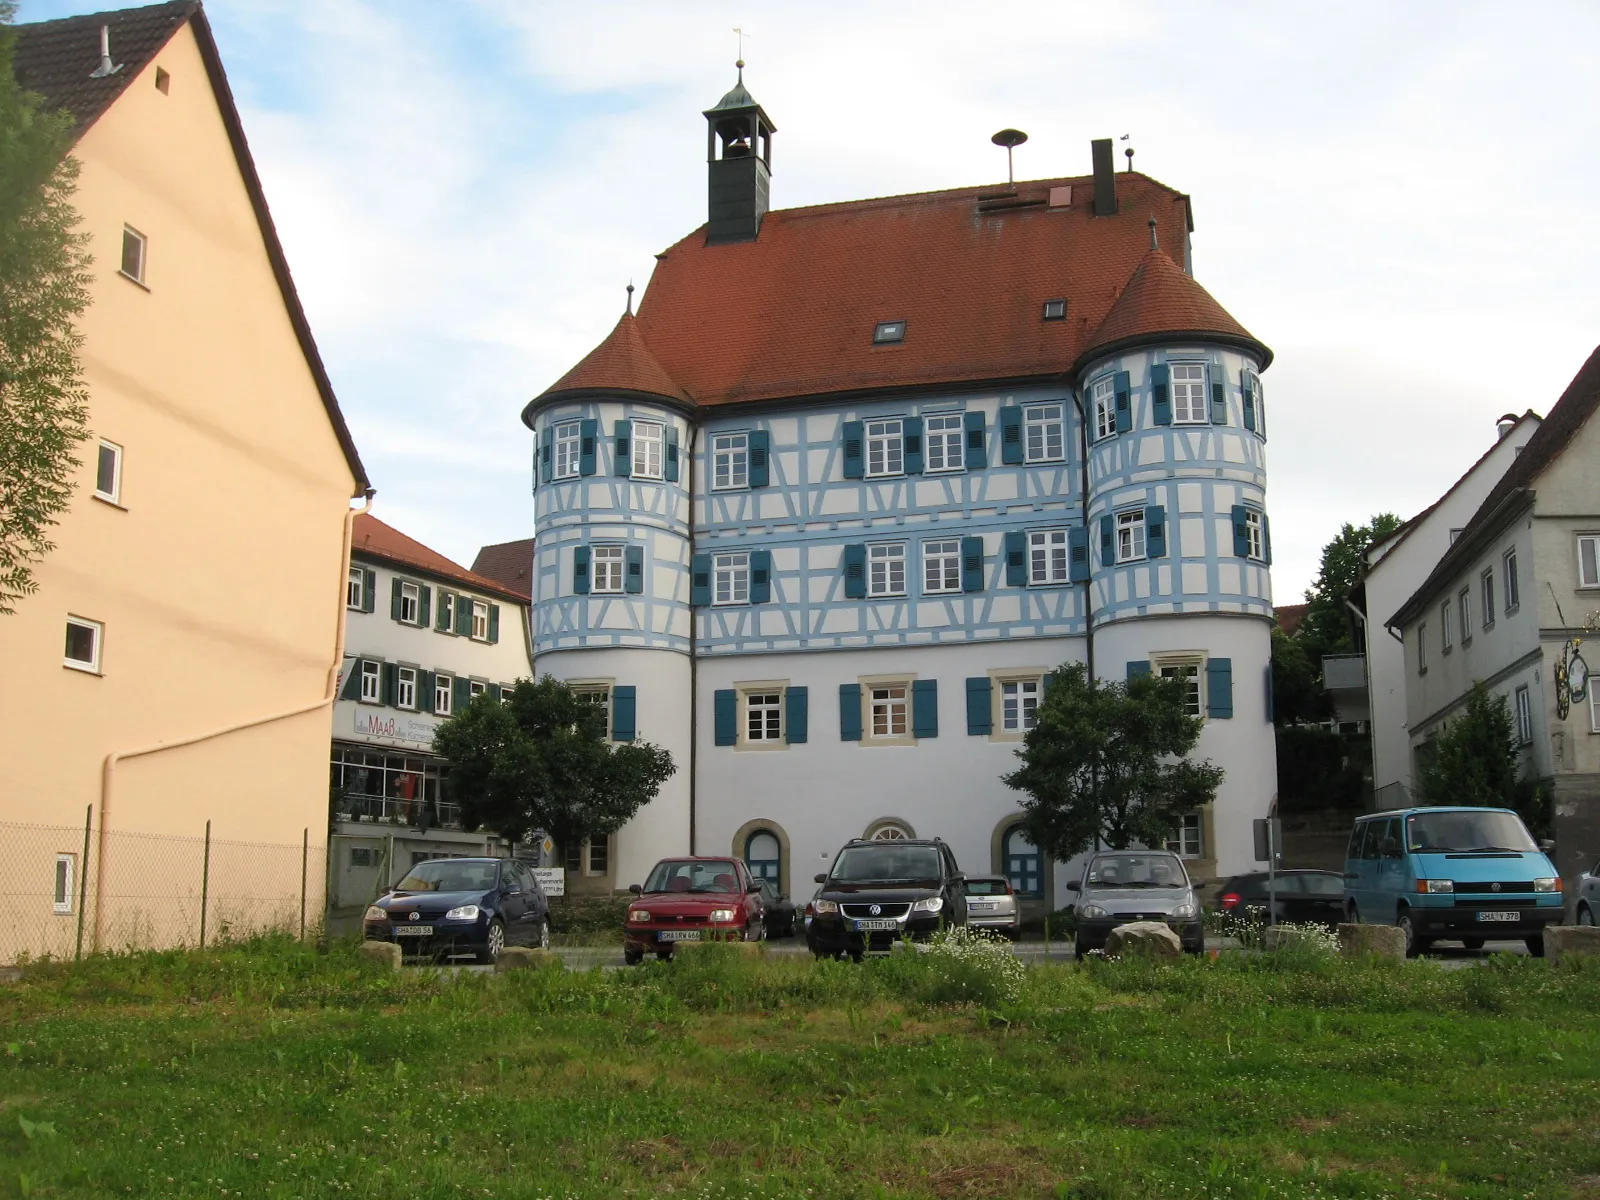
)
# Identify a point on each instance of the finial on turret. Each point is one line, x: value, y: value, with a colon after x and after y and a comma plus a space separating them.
x: 740, y: 62
x: 1153, y: 244
x: 630, y: 292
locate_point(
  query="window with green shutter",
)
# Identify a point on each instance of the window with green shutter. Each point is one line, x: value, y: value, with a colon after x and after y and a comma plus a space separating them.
x: 390, y: 676
x: 1078, y: 554
x: 972, y: 564
x: 633, y: 571
x: 1122, y: 387
x: 760, y: 576
x: 759, y: 446
x: 925, y: 708
x: 369, y: 589
x: 1138, y: 667
x: 1219, y: 397
x: 849, y: 712
x: 494, y: 623
x: 725, y: 716
x: 580, y: 570
x: 1016, y: 551
x: 624, y: 708
x: 588, y: 434
x: 1155, y: 531
x: 1011, y: 450
x: 671, y: 472
x: 855, y: 571
x: 622, y: 453
x: 1219, y: 687
x: 977, y: 451
x: 1161, y: 394
x: 911, y: 433
x: 796, y: 714
x: 980, y: 710
x: 854, y: 434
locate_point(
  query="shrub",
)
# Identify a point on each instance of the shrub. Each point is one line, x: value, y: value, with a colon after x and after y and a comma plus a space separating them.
x: 960, y: 966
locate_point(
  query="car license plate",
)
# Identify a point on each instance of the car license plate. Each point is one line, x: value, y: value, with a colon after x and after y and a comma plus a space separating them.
x: 1499, y: 916
x: 980, y: 907
x: 413, y: 931
x: 882, y: 923
x: 679, y: 935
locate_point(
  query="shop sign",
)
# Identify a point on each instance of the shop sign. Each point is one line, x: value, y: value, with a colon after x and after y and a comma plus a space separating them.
x: 397, y: 727
x: 552, y: 879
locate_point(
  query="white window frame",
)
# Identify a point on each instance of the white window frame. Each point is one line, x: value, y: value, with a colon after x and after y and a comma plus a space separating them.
x: 114, y: 495
x: 405, y: 688
x: 1048, y: 555
x: 1464, y: 613
x: 1486, y: 583
x: 91, y: 665
x: 596, y: 692
x: 410, y: 603
x: 1135, y: 548
x: 476, y: 688
x: 568, y: 437
x: 1255, y: 538
x: 1523, y: 701
x: 649, y: 446
x: 885, y: 442
x: 128, y: 231
x: 891, y: 701
x: 730, y: 462
x: 1189, y: 404
x: 763, y: 716
x: 355, y: 589
x: 1511, y: 585
x: 944, y: 440
x: 1594, y: 706
x: 1103, y: 402
x: 480, y: 621
x: 730, y: 578
x: 607, y: 566
x: 374, y: 677
x: 65, y: 884
x: 1446, y: 627
x: 1591, y: 541
x: 884, y: 560
x: 1188, y: 840
x: 1192, y: 667
x: 444, y: 694
x: 1019, y: 699
x: 941, y: 567
x: 1039, y: 419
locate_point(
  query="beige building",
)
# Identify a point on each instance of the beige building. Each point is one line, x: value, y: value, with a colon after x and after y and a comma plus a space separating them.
x: 178, y: 663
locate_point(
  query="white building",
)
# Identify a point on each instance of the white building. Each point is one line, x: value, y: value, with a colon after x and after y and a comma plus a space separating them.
x: 828, y: 512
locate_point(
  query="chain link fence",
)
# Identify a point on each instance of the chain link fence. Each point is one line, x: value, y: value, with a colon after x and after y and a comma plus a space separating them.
x: 70, y: 891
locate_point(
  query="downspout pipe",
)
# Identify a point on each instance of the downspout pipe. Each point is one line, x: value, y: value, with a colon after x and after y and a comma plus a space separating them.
x: 694, y: 660
x: 1083, y: 489
x: 108, y: 770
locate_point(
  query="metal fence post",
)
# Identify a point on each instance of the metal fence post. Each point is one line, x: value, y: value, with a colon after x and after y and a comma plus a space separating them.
x: 205, y: 885
x: 83, y: 880
x: 305, y: 854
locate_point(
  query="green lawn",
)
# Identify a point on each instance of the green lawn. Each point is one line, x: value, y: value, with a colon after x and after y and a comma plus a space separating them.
x: 270, y: 1070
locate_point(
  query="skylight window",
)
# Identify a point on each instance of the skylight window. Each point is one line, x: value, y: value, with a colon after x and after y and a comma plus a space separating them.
x: 1055, y: 310
x: 889, y: 331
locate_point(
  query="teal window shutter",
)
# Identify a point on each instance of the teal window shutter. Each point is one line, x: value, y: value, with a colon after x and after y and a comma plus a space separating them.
x: 1161, y: 394
x: 1266, y: 539
x: 1108, y: 542
x: 700, y: 580
x: 760, y: 576
x: 464, y: 616
x: 796, y: 716
x: 760, y: 446
x: 494, y: 691
x: 545, y: 443
x: 463, y: 694
x: 1155, y: 531
x: 352, y: 684
x: 580, y: 573
x: 911, y: 438
x: 980, y: 706
x: 925, y: 708
x: 1219, y: 687
x: 1271, y: 697
x: 425, y: 691
x: 725, y: 711
x: 1249, y: 401
x: 670, y: 467
x: 394, y: 599
x: 977, y: 452
x: 1011, y: 435
x: 1138, y: 667
x: 622, y: 463
x: 849, y: 712
x: 1016, y: 547
x: 972, y: 564
x: 445, y: 624
x: 1219, y: 396
x: 855, y: 571
x: 1121, y: 387
x: 1045, y: 684
x: 425, y: 606
x: 624, y: 707
x: 1261, y: 405
x: 855, y: 435
x: 369, y: 587
x: 1241, y: 531
x: 1078, y: 554
x: 494, y: 623
x: 388, y: 680
x: 633, y: 575
x: 588, y: 434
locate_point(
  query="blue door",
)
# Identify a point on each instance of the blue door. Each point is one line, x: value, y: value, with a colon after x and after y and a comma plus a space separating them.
x: 1024, y: 865
x: 764, y: 856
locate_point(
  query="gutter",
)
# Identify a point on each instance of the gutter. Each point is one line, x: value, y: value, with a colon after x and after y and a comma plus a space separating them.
x: 1088, y: 583
x: 694, y: 660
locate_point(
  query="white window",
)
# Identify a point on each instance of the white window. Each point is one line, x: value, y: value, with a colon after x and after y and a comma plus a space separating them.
x: 730, y: 461
x: 568, y: 436
x: 1019, y: 704
x: 476, y: 688
x: 941, y: 566
x: 886, y: 569
x: 1189, y: 672
x: 730, y: 575
x: 1422, y: 648
x: 1464, y: 611
x: 885, y: 448
x: 1105, y: 408
x: 65, y: 871
x: 1185, y: 841
x: 108, y: 472
x: 1594, y: 706
x: 83, y: 644
x: 1588, y: 560
x: 647, y: 441
x: 607, y: 567
x: 371, y: 682
x: 355, y: 591
x: 1254, y: 539
x: 405, y: 688
x: 1189, y: 394
x: 890, y: 833
x: 1130, y: 536
x: 1043, y: 437
x: 763, y: 717
x: 410, y: 603
x: 944, y: 438
x: 1524, y: 717
x: 133, y: 253
x: 447, y: 611
x: 480, y: 620
x: 599, y: 694
x: 1047, y: 556
x: 1488, y: 598
x: 1446, y: 627
x: 888, y: 705
x: 444, y: 694
x: 1513, y: 586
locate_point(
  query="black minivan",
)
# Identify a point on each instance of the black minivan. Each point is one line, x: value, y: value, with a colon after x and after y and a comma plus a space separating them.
x: 453, y: 907
x: 878, y: 893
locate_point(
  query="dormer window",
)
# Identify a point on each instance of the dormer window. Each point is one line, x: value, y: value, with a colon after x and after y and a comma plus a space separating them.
x: 1055, y: 310
x: 888, y: 331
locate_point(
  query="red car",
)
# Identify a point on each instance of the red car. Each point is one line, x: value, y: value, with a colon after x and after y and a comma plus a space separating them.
x: 692, y: 900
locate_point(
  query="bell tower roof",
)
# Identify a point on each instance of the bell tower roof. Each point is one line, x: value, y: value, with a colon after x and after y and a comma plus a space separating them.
x: 620, y: 365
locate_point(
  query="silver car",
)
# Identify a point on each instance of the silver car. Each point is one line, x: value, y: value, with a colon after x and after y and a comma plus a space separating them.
x: 1588, y: 905
x: 992, y: 904
x: 1122, y: 886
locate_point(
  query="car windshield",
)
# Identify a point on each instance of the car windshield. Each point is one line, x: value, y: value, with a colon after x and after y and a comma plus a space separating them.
x: 1136, y: 871
x: 987, y: 887
x: 693, y: 875
x: 447, y: 875
x: 886, y: 863
x: 1465, y: 830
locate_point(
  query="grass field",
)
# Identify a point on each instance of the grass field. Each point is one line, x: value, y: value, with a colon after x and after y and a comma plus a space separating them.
x: 273, y: 1070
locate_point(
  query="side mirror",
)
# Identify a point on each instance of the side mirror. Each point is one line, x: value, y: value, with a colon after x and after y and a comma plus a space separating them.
x: 636, y: 889
x: 754, y: 887
x: 1074, y: 886
x: 821, y: 879
x: 960, y: 879
x: 1546, y: 845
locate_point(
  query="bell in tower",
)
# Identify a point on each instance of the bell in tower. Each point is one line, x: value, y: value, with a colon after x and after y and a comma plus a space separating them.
x: 739, y: 158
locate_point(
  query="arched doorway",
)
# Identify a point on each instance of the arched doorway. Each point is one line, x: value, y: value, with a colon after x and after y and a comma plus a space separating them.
x: 764, y: 856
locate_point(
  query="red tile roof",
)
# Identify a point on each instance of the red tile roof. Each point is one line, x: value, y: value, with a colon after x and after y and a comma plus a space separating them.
x: 509, y: 562
x: 371, y: 538
x: 622, y: 363
x: 1290, y: 617
x: 1161, y: 300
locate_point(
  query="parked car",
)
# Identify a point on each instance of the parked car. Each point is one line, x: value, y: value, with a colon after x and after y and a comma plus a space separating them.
x: 1301, y: 897
x: 777, y: 910
x: 691, y: 900
x: 1587, y: 911
x: 1123, y: 886
x: 877, y: 893
x: 1447, y: 873
x: 992, y: 904
x: 450, y: 907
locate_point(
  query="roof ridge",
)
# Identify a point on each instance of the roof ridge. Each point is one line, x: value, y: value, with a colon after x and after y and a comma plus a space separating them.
x: 455, y: 570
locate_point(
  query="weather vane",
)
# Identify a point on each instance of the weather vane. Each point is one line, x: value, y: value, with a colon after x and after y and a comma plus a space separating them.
x: 742, y: 35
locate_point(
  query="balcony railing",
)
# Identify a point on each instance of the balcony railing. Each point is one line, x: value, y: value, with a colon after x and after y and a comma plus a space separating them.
x: 386, y: 810
x: 1344, y: 672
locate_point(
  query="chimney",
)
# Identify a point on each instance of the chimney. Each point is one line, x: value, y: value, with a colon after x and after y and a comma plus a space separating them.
x: 1505, y: 425
x: 1105, y: 178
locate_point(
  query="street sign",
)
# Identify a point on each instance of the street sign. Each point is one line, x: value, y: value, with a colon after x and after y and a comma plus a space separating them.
x: 1269, y: 840
x: 553, y: 880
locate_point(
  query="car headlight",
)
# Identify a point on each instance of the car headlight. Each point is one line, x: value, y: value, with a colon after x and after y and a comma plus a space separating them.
x: 1547, y: 885
x: 375, y: 913
x: 722, y: 914
x: 467, y: 912
x: 823, y: 906
x: 639, y: 915
x: 1092, y: 911
x: 1435, y: 885
x: 1185, y: 912
x: 931, y: 904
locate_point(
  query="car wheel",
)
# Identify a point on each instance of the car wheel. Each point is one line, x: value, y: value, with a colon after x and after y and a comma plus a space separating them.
x: 633, y: 957
x: 1352, y: 915
x: 1414, y: 944
x: 542, y: 939
x: 493, y: 942
x: 1585, y: 917
x: 664, y: 955
x: 1535, y: 945
x: 1472, y: 943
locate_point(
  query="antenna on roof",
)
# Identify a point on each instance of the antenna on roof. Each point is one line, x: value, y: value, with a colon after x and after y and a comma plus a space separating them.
x: 630, y: 292
x: 1128, y: 151
x: 1153, y: 245
x: 105, y: 68
x: 1009, y: 138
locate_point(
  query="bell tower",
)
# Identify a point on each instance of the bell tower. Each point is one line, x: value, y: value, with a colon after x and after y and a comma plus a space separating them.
x: 739, y: 161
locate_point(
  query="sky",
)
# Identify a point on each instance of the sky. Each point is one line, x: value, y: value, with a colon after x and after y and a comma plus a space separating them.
x: 1398, y: 199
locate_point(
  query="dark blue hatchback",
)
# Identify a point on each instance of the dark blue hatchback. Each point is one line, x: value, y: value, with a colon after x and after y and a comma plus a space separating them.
x: 455, y: 907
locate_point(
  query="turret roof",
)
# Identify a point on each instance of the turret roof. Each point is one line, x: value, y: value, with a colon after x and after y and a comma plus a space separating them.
x: 1160, y: 301
x: 621, y: 363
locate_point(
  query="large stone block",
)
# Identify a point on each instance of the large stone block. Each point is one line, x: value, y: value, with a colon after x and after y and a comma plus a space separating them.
x: 748, y: 949
x: 523, y: 958
x: 383, y: 953
x: 1385, y: 941
x: 1562, y: 940
x: 1148, y: 939
x: 1287, y: 937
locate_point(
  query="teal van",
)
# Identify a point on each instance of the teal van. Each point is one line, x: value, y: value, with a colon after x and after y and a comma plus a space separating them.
x: 1453, y: 874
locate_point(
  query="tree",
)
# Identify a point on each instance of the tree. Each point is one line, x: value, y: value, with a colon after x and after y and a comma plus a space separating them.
x: 1327, y: 628
x: 1297, y: 695
x: 1105, y: 761
x: 44, y: 289
x: 1476, y: 762
x: 541, y: 760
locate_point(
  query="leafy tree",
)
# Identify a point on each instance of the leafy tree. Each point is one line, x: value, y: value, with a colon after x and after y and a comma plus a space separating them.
x: 1475, y: 761
x: 1327, y: 627
x: 1297, y: 695
x: 1106, y: 761
x: 541, y: 760
x: 44, y: 288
